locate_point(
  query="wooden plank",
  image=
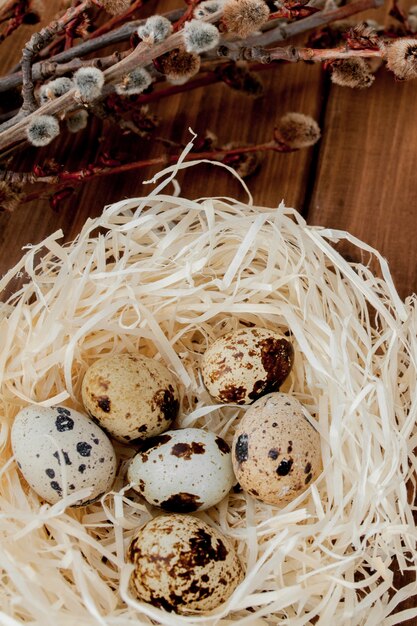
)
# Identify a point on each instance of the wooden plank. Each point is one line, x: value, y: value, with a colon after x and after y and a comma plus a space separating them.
x: 365, y: 181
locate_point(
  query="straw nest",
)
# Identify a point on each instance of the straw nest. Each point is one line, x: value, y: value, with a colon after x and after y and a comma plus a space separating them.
x: 165, y: 276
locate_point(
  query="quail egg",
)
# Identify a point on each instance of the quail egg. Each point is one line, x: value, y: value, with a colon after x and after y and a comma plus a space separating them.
x: 182, y: 564
x: 130, y: 396
x: 183, y: 470
x: 245, y: 364
x: 60, y: 451
x: 276, y: 451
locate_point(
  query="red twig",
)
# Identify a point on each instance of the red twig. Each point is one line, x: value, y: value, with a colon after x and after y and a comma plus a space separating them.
x: 65, y: 178
x: 187, y: 15
x: 15, y: 15
x: 296, y: 13
x: 7, y: 8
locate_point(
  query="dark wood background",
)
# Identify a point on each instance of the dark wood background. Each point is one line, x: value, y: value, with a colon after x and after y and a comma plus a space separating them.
x: 361, y: 176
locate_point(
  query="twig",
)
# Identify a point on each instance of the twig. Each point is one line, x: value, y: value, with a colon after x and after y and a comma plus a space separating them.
x: 87, y: 47
x: 293, y: 54
x: 101, y: 30
x: 317, y: 55
x: 53, y: 69
x: 34, y: 45
x: 321, y: 18
x: 141, y: 56
x: 96, y: 171
x: 7, y: 7
x: 271, y: 36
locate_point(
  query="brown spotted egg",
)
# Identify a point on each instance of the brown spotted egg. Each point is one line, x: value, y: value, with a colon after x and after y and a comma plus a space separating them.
x: 130, y: 396
x: 183, y: 470
x: 182, y: 564
x: 245, y: 364
x: 276, y: 452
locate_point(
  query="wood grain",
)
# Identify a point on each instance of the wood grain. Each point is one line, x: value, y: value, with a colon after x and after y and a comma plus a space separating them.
x: 365, y: 181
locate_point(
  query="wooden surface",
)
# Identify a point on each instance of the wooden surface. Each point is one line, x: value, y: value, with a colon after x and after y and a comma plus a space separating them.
x: 361, y: 177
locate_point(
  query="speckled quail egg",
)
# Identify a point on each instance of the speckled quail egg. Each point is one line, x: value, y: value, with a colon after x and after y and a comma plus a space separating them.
x: 182, y: 564
x: 245, y: 364
x: 60, y: 451
x: 130, y: 396
x: 183, y: 470
x: 276, y: 452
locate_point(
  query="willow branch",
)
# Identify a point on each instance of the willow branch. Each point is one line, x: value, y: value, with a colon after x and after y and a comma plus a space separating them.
x: 108, y: 26
x: 204, y: 79
x: 7, y: 7
x: 141, y: 56
x: 293, y: 54
x: 271, y: 36
x: 316, y: 55
x: 117, y: 36
x: 321, y: 18
x: 34, y: 45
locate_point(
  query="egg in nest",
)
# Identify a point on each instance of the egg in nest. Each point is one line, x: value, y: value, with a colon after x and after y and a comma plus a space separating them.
x: 243, y: 365
x: 130, y: 396
x: 276, y: 450
x: 60, y: 451
x: 182, y: 564
x: 183, y: 470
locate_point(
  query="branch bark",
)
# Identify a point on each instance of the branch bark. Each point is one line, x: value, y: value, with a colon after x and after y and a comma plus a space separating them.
x: 141, y: 56
x: 269, y: 37
x: 321, y: 18
x: 34, y: 45
x: 86, y: 47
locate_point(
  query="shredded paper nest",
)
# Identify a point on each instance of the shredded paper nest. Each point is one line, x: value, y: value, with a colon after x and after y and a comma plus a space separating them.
x: 165, y: 276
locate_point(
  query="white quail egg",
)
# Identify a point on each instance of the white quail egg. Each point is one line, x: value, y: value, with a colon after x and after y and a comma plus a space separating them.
x: 183, y: 470
x: 60, y: 451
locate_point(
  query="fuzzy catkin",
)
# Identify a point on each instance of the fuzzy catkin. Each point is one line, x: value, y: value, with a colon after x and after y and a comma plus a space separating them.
x: 10, y: 196
x: 156, y: 29
x: 55, y: 89
x: 115, y: 7
x: 297, y: 130
x: 42, y: 130
x: 207, y: 8
x: 402, y: 58
x: 243, y: 17
x: 135, y: 82
x: 354, y: 73
x: 179, y: 65
x: 200, y: 36
x: 89, y: 81
x: 76, y: 120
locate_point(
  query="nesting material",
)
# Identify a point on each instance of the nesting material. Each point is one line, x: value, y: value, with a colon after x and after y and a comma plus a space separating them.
x: 166, y: 276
